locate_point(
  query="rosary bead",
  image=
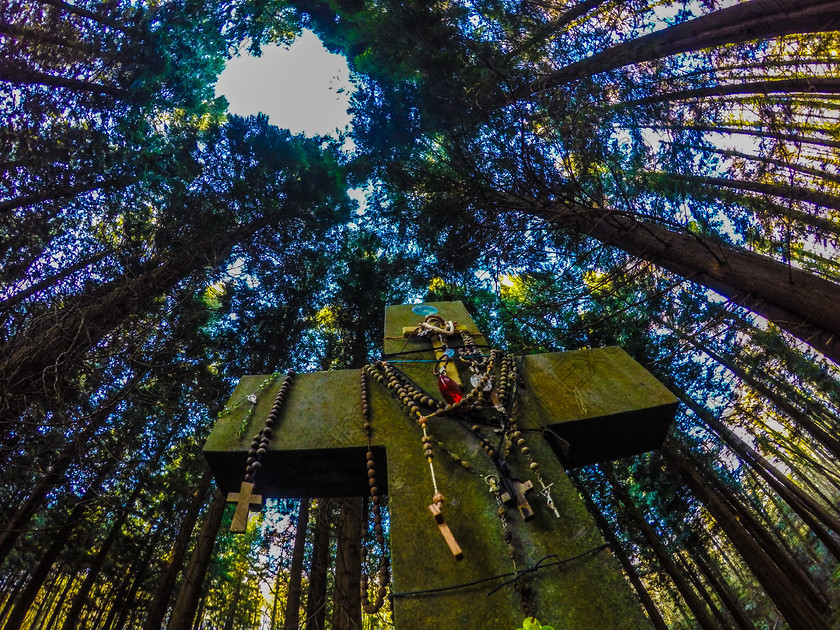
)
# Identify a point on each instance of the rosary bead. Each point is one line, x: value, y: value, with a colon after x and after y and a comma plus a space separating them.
x: 476, y: 428
x: 437, y: 498
x: 252, y: 452
x: 380, y: 601
x: 511, y: 553
x: 251, y: 460
x: 367, y: 426
x: 429, y: 453
x: 534, y: 466
x: 370, y: 464
x: 372, y: 482
x: 371, y: 473
x: 267, y: 432
x: 500, y: 511
x: 520, y: 442
x: 369, y: 455
x: 381, y: 592
x: 261, y: 452
x: 377, y: 529
x: 374, y: 492
x: 466, y: 465
x: 517, y: 434
x: 415, y: 409
x: 256, y: 466
x: 525, y: 450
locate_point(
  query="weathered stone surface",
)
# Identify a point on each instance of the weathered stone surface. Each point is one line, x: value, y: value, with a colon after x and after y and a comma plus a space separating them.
x: 318, y: 450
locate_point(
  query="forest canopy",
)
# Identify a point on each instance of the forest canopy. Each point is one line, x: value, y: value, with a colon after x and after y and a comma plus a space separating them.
x: 662, y: 176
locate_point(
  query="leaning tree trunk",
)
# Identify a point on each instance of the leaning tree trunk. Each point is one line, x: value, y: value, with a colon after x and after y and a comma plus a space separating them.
x: 292, y: 616
x: 729, y: 600
x: 753, y: 131
x: 828, y: 85
x: 796, y: 608
x: 755, y: 19
x: 618, y: 550
x: 797, y: 301
x: 189, y: 594
x: 665, y: 557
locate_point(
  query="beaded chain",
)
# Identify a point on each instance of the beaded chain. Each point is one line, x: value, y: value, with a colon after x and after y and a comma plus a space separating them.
x: 259, y: 445
x: 384, y: 574
x: 486, y: 390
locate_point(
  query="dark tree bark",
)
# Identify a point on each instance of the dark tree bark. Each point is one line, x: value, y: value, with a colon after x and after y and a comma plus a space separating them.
x: 316, y: 599
x: 53, y: 193
x: 758, y: 133
x: 794, y: 193
x: 713, y: 576
x: 71, y: 619
x: 797, y: 301
x: 292, y: 616
x: 827, y: 85
x: 39, y: 574
x: 347, y: 612
x: 190, y: 592
x: 163, y: 594
x: 814, y: 514
x: 796, y: 607
x: 665, y: 557
x: 27, y: 76
x: 755, y: 19
x: 618, y: 549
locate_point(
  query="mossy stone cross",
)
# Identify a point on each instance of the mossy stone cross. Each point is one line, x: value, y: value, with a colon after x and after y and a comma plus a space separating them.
x: 598, y: 404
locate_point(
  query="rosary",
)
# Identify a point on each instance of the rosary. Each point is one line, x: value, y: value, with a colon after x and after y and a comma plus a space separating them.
x: 490, y: 403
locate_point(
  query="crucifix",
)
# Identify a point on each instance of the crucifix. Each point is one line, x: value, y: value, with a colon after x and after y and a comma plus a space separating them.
x: 574, y: 409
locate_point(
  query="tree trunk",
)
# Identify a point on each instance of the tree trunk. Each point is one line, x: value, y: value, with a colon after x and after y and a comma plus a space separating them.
x: 163, y: 594
x: 347, y: 611
x: 48, y: 558
x: 189, y: 594
x: 755, y: 19
x: 27, y: 76
x: 128, y: 604
x: 71, y: 620
x: 665, y: 557
x: 803, y: 504
x: 618, y: 550
x: 53, y: 193
x: 796, y: 608
x: 316, y: 599
x: 827, y: 85
x: 725, y: 594
x: 794, y: 193
x: 90, y: 15
x: 795, y: 300
x: 19, y: 521
x: 701, y: 589
x: 292, y: 616
x: 759, y: 133
x: 41, y: 354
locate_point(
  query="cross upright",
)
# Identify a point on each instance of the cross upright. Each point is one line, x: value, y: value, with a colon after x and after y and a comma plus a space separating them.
x: 575, y: 408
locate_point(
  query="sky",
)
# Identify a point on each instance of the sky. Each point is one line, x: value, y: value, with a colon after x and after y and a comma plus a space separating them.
x: 302, y: 88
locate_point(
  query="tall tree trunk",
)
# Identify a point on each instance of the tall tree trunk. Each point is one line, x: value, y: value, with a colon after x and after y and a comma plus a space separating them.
x: 701, y: 589
x: 347, y: 611
x: 292, y: 616
x: 763, y: 159
x: 725, y: 594
x: 795, y: 606
x: 48, y: 558
x: 828, y: 85
x: 189, y: 594
x: 42, y: 353
x: 797, y: 301
x: 755, y: 19
x: 814, y: 514
x: 139, y: 573
x: 71, y: 620
x: 316, y: 599
x: 53, y: 193
x: 618, y: 550
x: 785, y: 191
x: 19, y: 521
x: 756, y: 132
x: 665, y: 557
x: 174, y: 563
x: 90, y: 15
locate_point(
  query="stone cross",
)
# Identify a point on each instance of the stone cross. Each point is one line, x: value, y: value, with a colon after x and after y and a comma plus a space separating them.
x: 576, y: 408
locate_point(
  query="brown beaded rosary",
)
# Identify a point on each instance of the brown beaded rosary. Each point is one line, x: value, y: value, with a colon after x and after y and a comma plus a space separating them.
x: 259, y: 446
x: 487, y: 391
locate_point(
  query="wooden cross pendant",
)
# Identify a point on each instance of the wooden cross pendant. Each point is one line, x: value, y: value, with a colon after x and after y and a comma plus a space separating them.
x: 434, y: 508
x: 515, y: 490
x: 244, y: 500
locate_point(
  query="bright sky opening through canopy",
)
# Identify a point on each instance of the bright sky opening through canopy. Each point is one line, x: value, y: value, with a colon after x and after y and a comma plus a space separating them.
x: 302, y: 87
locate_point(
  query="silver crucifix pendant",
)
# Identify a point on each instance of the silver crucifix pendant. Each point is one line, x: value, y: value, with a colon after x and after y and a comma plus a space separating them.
x: 546, y: 492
